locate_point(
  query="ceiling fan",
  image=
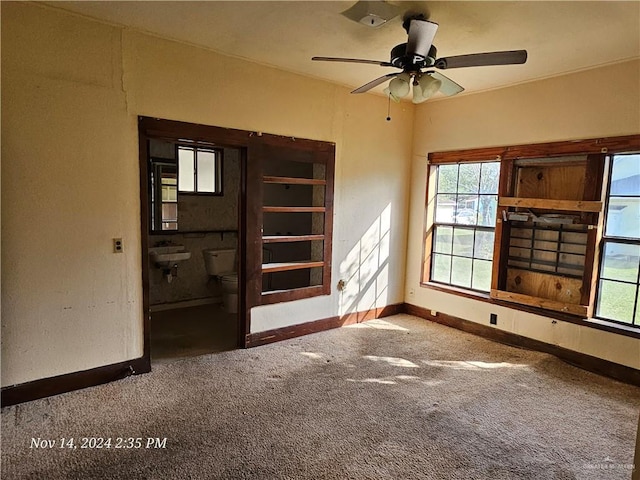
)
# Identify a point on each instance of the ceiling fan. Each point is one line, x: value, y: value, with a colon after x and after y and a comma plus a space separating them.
x: 419, y: 53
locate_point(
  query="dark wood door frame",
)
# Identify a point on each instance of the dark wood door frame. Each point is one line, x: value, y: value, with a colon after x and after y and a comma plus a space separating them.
x: 158, y: 129
x: 252, y: 146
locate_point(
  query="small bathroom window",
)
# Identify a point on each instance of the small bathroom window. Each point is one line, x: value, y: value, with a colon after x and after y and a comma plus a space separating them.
x: 199, y: 170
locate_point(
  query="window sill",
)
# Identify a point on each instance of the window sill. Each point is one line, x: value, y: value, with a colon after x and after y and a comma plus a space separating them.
x: 596, y: 323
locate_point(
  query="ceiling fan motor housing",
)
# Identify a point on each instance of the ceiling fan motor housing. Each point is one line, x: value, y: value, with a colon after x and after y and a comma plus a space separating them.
x: 400, y: 59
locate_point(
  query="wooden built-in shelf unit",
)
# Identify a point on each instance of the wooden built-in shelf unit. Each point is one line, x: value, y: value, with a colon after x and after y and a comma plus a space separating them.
x: 297, y: 206
x: 548, y: 213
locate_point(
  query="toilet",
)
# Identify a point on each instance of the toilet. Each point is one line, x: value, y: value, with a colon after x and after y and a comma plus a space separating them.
x: 222, y: 265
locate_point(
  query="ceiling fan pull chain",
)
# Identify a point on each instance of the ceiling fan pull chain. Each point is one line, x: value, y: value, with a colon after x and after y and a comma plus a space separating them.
x: 389, y: 107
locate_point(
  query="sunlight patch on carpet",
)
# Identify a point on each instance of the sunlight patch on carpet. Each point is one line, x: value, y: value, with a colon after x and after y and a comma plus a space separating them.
x: 471, y: 364
x: 396, y: 362
x: 378, y: 324
x: 311, y: 355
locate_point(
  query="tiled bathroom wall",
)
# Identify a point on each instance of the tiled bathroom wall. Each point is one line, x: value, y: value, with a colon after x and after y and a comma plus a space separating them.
x: 198, y: 217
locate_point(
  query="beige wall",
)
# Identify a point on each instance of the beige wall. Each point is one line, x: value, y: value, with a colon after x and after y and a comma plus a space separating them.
x: 596, y: 103
x: 71, y: 93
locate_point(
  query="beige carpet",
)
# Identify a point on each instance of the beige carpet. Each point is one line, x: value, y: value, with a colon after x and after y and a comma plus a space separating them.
x: 397, y: 398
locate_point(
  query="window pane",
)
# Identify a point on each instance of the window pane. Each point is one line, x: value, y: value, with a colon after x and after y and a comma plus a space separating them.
x: 441, y: 270
x: 623, y: 212
x: 463, y: 242
x: 169, y: 225
x: 625, y: 176
x: 481, y: 275
x: 466, y: 209
x: 489, y: 178
x: 169, y: 193
x: 443, y: 239
x: 469, y: 178
x: 169, y: 212
x: 484, y: 245
x: 206, y: 172
x: 615, y: 300
x: 623, y: 217
x: 487, y: 209
x: 186, y: 167
x: 445, y: 208
x: 620, y: 262
x: 461, y: 271
x: 459, y: 250
x: 447, y: 178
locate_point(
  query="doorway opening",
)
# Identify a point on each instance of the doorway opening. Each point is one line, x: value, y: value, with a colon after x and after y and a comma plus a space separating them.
x: 192, y: 250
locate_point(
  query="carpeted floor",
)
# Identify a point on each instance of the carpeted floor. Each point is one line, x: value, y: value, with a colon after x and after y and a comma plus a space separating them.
x: 397, y: 398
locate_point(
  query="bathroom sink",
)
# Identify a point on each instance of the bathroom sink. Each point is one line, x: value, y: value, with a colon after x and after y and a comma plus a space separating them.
x: 169, y: 255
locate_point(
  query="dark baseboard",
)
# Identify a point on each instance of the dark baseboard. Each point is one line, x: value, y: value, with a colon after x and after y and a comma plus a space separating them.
x: 581, y: 360
x: 47, y: 387
x: 284, y: 333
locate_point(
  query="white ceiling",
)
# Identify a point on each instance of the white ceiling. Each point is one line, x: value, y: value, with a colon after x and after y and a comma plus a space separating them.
x: 560, y: 36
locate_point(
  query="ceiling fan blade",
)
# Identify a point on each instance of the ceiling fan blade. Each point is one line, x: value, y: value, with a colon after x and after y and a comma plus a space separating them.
x: 374, y: 83
x: 352, y: 60
x: 448, y: 87
x: 421, y: 33
x: 511, y: 57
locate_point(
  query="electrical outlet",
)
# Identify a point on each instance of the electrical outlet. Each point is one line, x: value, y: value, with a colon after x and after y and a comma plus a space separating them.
x: 118, y: 246
x: 493, y: 319
x: 412, y: 292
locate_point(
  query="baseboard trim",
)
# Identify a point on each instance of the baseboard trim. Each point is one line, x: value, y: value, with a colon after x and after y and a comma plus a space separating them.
x: 47, y: 387
x: 285, y: 333
x: 593, y: 364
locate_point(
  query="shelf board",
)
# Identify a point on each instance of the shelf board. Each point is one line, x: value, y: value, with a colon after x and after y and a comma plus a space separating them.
x: 562, y: 242
x: 548, y: 250
x: 293, y: 209
x: 551, y: 204
x: 540, y: 302
x: 285, y: 266
x: 547, y: 272
x: 293, y: 180
x: 569, y: 266
x: 290, y: 238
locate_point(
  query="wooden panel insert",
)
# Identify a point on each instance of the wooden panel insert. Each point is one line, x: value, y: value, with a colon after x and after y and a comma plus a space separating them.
x: 546, y: 181
x: 544, y: 285
x: 580, y: 310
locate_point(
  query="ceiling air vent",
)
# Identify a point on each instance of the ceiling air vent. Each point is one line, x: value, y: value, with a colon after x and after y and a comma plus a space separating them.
x: 371, y: 13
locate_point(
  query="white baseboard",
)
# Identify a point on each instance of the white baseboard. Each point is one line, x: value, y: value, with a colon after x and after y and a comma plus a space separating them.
x: 185, y: 304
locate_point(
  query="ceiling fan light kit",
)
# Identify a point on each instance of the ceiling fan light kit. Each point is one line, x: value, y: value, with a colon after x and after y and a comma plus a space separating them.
x: 425, y: 87
x: 398, y: 87
x: 419, y: 53
x: 372, y: 13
